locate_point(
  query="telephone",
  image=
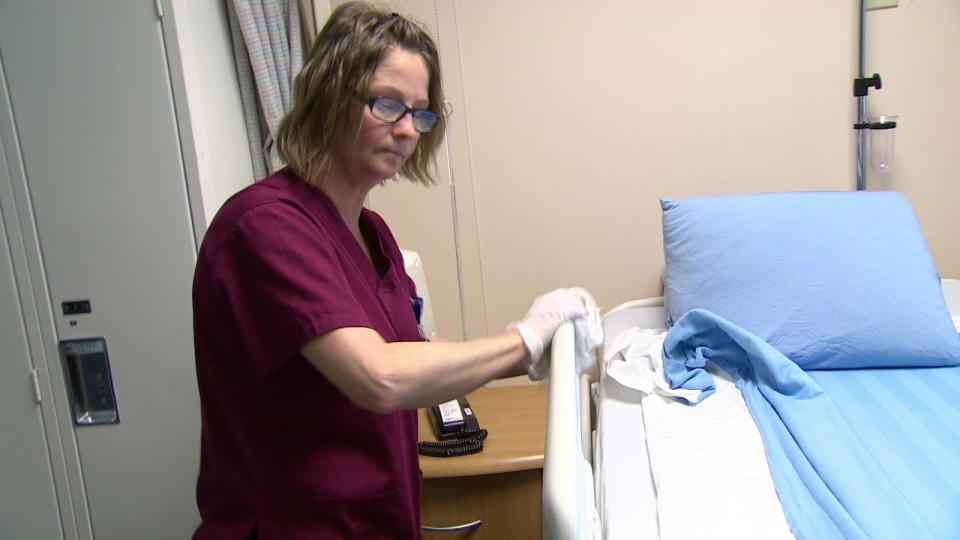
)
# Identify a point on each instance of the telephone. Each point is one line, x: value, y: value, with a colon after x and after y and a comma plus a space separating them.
x: 456, y: 426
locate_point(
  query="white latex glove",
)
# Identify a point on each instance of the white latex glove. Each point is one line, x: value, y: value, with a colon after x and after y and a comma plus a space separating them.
x: 546, y: 314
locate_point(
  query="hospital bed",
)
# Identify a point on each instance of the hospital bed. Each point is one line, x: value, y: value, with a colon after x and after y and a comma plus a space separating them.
x: 598, y: 481
x: 623, y: 464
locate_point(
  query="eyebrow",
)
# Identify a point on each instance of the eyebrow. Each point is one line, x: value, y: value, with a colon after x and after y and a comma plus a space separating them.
x: 394, y: 93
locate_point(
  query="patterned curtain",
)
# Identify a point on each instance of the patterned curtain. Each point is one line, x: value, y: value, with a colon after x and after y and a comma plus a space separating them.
x: 268, y: 50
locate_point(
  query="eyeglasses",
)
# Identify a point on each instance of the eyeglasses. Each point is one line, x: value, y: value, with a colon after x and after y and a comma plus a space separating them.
x: 391, y: 111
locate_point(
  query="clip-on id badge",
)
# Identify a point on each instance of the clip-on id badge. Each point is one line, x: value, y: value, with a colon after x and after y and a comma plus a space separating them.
x: 418, y: 312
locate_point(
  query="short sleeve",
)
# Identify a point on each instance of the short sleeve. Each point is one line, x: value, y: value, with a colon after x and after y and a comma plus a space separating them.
x: 281, y: 277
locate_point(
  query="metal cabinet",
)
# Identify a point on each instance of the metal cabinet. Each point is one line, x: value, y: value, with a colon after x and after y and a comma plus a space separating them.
x: 95, y: 209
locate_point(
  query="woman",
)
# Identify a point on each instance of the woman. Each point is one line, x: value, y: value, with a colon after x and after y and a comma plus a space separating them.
x: 309, y: 358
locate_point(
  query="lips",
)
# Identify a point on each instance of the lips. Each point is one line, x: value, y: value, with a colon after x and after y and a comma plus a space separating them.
x: 393, y: 152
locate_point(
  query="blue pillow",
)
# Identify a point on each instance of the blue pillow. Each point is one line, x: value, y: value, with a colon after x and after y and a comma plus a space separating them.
x: 830, y: 279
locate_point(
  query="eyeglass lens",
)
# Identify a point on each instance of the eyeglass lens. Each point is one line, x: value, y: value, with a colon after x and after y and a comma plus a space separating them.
x: 391, y: 110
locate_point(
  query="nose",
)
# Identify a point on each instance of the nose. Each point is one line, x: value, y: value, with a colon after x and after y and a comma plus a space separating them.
x: 404, y: 127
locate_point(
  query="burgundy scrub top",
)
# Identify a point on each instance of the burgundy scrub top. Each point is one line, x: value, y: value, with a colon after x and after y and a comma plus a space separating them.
x: 283, y: 452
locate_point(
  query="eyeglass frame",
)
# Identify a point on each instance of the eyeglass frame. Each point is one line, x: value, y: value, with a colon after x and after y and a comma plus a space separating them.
x: 370, y: 101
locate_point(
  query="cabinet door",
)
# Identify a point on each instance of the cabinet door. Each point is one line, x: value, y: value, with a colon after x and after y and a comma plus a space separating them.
x: 507, y: 505
x: 28, y: 502
x: 107, y: 199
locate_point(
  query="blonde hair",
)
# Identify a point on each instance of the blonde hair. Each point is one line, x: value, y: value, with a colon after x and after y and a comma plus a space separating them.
x: 338, y: 71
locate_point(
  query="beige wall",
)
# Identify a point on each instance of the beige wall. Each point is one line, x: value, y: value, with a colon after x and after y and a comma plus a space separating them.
x: 210, y: 113
x: 914, y: 47
x: 571, y: 120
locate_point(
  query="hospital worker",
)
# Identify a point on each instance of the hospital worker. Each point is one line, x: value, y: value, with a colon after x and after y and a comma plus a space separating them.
x: 309, y: 359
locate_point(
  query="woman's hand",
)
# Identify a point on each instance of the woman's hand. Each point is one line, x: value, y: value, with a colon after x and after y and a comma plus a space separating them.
x: 546, y: 314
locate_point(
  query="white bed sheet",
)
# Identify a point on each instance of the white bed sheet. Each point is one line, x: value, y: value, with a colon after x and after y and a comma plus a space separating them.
x: 710, y: 470
x: 627, y: 499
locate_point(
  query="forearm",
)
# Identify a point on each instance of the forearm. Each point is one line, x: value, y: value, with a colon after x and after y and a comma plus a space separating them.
x: 425, y: 373
x: 386, y: 377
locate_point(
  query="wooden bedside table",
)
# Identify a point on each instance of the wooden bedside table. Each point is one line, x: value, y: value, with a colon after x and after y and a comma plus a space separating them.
x: 501, y: 486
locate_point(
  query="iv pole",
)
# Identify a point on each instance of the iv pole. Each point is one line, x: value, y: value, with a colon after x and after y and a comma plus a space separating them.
x: 861, y: 86
x: 862, y: 104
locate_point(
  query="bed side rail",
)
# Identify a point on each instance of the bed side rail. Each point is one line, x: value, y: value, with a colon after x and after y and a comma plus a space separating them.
x: 569, y: 507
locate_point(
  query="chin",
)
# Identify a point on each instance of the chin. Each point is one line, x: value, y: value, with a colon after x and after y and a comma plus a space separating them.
x: 379, y: 176
x: 388, y: 171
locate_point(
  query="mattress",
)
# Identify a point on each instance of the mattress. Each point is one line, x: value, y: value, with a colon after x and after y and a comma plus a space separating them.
x: 648, y: 488
x: 657, y: 459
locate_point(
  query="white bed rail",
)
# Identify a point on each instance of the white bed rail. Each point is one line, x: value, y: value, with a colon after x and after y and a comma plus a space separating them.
x: 569, y: 506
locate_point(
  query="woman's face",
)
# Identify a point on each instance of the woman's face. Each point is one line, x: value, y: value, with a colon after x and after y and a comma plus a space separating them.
x: 379, y: 149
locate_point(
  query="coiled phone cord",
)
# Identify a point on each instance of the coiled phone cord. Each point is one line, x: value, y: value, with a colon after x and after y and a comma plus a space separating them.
x: 469, y: 442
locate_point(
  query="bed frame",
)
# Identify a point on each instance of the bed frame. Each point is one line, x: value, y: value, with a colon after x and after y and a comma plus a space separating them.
x: 569, y: 501
x: 569, y: 504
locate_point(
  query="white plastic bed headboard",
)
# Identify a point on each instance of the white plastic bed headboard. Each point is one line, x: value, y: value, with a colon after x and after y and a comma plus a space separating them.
x: 951, y: 295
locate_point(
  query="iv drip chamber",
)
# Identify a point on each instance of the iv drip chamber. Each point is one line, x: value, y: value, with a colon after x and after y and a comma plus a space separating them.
x: 881, y: 139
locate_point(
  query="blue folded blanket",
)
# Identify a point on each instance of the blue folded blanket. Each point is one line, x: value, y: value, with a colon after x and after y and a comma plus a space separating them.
x: 885, y: 464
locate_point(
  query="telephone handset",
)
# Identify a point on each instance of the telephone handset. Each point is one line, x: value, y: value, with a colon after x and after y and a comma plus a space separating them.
x: 456, y: 426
